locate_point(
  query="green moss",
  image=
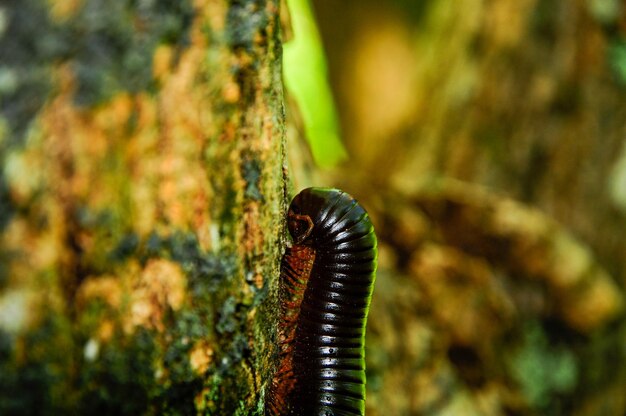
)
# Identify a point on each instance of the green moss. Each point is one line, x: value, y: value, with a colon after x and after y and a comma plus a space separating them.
x: 67, y: 371
x: 221, y: 386
x: 179, y: 399
x: 28, y: 45
x: 209, y: 317
x: 141, y: 374
x: 185, y: 330
x: 227, y: 322
x: 184, y: 384
x: 238, y: 349
x: 206, y: 271
x: 111, y: 236
x: 544, y: 21
x: 122, y: 379
x: 127, y: 246
x: 117, y: 43
x: 5, y: 258
x: 212, y: 396
x: 125, y: 377
x: 245, y: 20
x: 109, y: 45
x: 251, y: 172
x: 35, y: 370
x: 617, y: 59
x: 228, y: 212
x: 6, y: 205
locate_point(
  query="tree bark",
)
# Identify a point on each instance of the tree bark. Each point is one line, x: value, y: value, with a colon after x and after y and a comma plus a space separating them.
x: 142, y: 195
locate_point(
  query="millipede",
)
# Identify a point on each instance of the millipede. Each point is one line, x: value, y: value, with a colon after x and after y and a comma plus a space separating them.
x: 326, y: 282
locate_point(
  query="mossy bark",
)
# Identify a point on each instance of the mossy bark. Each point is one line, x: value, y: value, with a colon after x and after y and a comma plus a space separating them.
x: 142, y: 194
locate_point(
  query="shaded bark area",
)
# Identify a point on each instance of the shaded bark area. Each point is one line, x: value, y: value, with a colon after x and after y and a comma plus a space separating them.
x: 141, y: 199
x: 493, y: 133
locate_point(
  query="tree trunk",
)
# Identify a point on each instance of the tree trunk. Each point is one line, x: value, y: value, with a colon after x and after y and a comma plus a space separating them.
x: 142, y: 195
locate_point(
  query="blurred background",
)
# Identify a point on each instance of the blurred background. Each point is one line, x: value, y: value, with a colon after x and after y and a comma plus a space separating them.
x: 487, y: 140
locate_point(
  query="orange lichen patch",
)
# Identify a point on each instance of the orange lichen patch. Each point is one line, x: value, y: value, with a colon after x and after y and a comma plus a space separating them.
x: 229, y: 132
x: 107, y: 288
x: 200, y: 357
x: 112, y: 118
x: 90, y: 155
x: 203, y: 400
x: 106, y: 330
x: 159, y: 287
x: 245, y: 59
x: 182, y: 193
x: 231, y: 92
x: 213, y: 12
x: 267, y: 137
x: 162, y: 62
x: 113, y: 160
x: 258, y: 282
x: 253, y: 238
x: 19, y: 236
x: 142, y: 155
x: 78, y: 145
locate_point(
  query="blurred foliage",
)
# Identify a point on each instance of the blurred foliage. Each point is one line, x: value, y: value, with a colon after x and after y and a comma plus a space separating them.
x: 617, y: 58
x: 518, y: 107
x: 606, y: 11
x: 543, y: 370
x: 306, y: 79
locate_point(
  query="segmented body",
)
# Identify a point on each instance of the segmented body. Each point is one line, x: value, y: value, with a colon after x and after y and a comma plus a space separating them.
x: 327, y: 278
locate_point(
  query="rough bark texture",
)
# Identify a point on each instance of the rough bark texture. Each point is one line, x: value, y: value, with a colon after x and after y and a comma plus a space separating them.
x: 494, y: 134
x: 142, y: 194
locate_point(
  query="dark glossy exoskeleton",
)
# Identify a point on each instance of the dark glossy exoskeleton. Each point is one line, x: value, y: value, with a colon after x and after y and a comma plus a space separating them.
x: 327, y: 278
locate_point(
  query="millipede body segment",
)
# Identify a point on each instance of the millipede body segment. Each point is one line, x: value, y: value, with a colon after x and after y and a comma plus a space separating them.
x: 326, y: 283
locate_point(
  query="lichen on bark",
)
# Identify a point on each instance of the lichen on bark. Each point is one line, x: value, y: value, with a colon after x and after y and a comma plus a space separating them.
x: 141, y: 202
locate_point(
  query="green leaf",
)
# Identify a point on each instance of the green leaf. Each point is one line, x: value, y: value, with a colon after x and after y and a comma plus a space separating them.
x: 306, y: 79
